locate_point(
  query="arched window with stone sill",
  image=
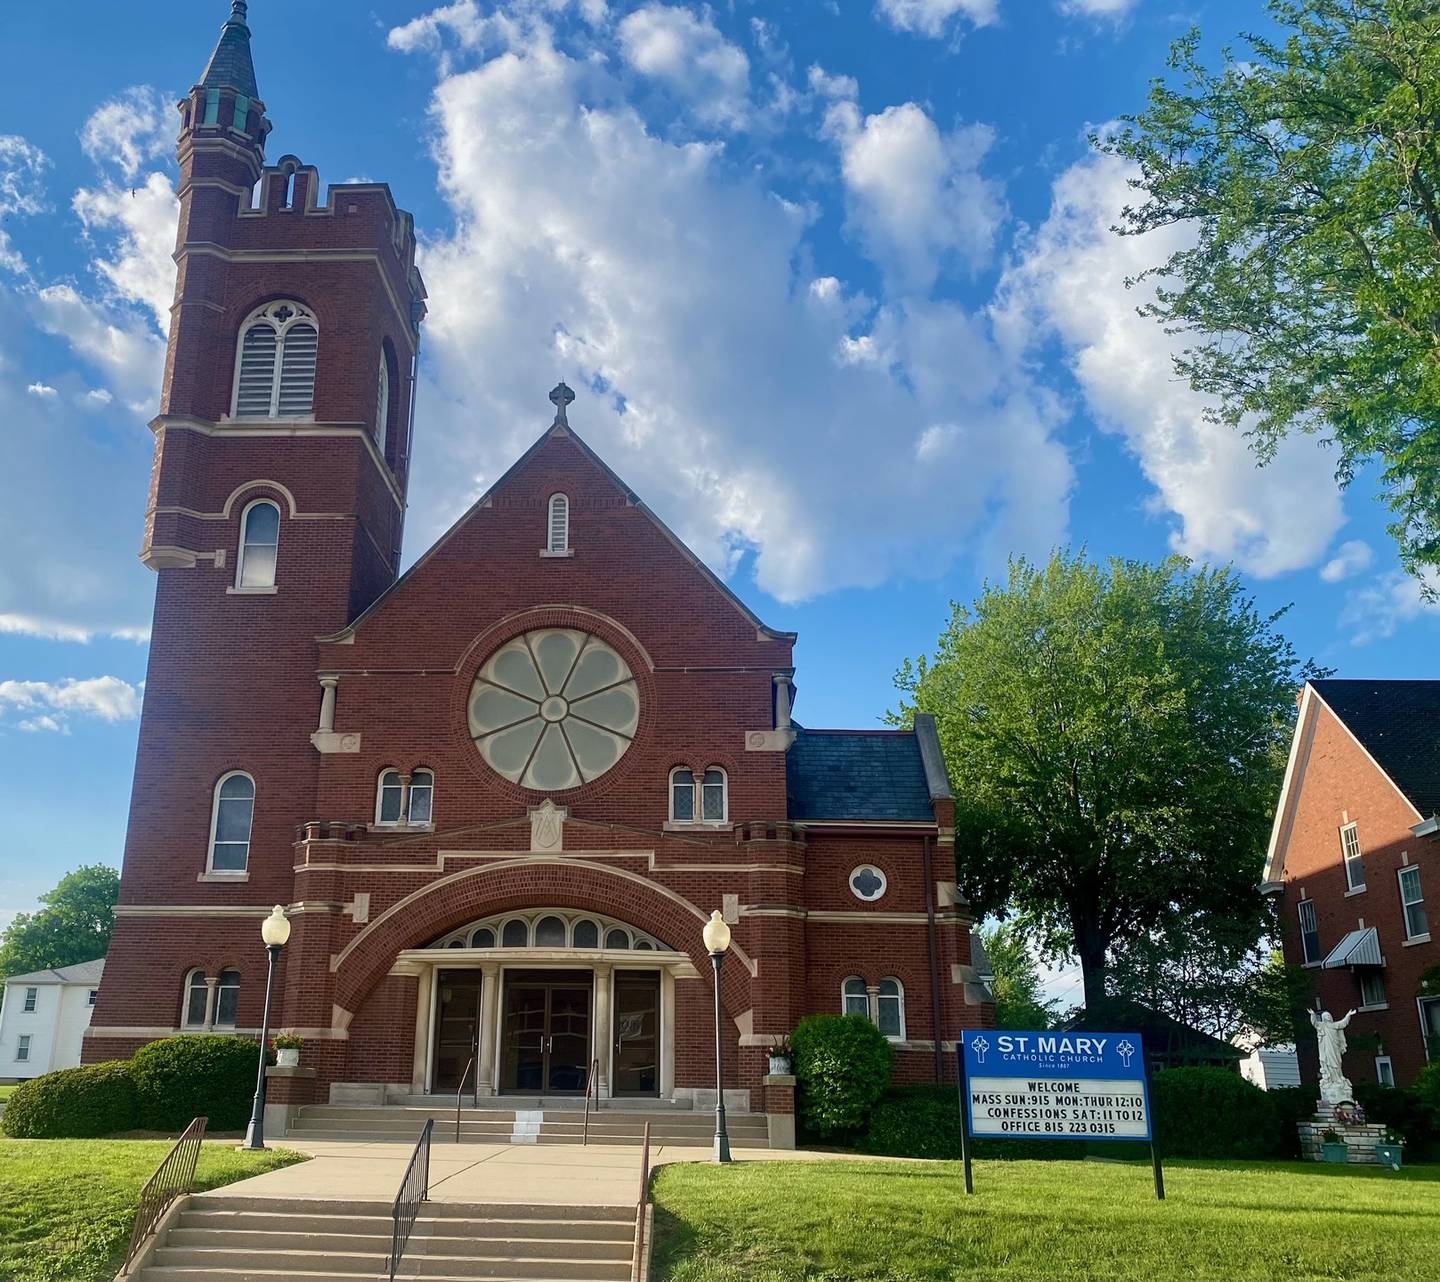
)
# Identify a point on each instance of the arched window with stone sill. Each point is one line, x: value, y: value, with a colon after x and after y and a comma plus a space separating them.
x: 276, y: 362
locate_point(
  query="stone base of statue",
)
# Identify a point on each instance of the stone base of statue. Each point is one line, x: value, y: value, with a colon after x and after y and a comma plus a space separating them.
x: 1359, y: 1138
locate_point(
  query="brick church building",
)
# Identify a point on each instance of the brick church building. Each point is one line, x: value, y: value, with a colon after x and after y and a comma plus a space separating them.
x: 499, y: 794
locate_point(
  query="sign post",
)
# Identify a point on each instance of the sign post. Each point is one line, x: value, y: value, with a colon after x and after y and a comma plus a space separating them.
x: 1054, y: 1086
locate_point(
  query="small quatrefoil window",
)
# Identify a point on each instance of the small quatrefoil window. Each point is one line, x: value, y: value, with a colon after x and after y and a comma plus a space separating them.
x: 867, y: 883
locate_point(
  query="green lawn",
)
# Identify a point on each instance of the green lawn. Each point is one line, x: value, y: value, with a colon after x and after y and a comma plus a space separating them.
x: 1044, y: 1222
x: 7, y: 1091
x: 67, y: 1206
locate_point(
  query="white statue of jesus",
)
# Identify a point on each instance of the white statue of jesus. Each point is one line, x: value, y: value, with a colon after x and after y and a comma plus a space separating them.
x: 1335, y: 1087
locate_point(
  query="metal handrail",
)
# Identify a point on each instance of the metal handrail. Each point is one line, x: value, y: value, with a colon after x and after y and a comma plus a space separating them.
x: 641, y: 1206
x: 591, y: 1084
x: 414, y: 1189
x: 173, y: 1178
x: 459, y: 1091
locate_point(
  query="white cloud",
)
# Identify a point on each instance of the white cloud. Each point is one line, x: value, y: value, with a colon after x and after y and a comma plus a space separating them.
x: 686, y: 51
x: 914, y: 195
x: 132, y: 129
x: 750, y: 440
x: 144, y: 220
x: 43, y: 390
x: 55, y: 703
x: 42, y: 723
x: 931, y: 17
x: 97, y: 396
x: 833, y: 87
x: 1068, y: 282
x: 117, y: 343
x: 1351, y: 557
x: 22, y: 191
x: 1385, y: 605
x: 1113, y: 10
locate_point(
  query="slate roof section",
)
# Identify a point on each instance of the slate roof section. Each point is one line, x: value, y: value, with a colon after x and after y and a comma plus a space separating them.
x: 231, y: 66
x: 1398, y: 722
x: 81, y: 973
x: 857, y: 775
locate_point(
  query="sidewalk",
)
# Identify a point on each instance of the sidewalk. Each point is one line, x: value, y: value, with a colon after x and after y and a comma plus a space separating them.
x: 525, y: 1174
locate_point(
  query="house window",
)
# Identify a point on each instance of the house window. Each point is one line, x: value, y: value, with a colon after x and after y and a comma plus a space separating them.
x: 1417, y: 925
x: 212, y: 107
x: 1372, y: 988
x: 22, y: 1048
x: 891, y: 1019
x: 550, y: 933
x: 382, y: 405
x: 1309, y: 932
x: 230, y: 823
x: 1354, y: 865
x: 259, y: 545
x: 227, y: 998
x: 275, y: 372
x: 714, y: 803
x: 867, y: 882
x: 391, y: 799
x: 32, y: 995
x: 855, y: 998
x: 1384, y: 1070
x: 558, y: 539
x: 93, y: 997
x: 197, y: 996
x: 387, y: 805
x: 682, y: 795
x: 422, y: 796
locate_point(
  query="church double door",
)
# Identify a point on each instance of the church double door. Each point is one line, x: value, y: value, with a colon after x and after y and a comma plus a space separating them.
x: 545, y: 1032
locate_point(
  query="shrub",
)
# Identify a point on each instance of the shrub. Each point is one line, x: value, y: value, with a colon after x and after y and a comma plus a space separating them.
x: 1214, y: 1113
x: 1426, y: 1093
x: 200, y: 1075
x: 74, y: 1103
x: 842, y: 1068
x: 915, y: 1121
x: 1292, y: 1105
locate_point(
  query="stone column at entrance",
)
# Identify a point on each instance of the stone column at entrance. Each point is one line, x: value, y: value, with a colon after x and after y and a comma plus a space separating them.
x: 489, y: 1007
x: 604, y: 1038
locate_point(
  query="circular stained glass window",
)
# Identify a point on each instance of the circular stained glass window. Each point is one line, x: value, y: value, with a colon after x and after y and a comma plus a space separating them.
x: 553, y: 709
x: 867, y: 882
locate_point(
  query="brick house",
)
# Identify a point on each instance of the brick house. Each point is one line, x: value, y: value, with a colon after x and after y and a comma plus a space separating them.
x: 499, y: 794
x: 1353, y: 857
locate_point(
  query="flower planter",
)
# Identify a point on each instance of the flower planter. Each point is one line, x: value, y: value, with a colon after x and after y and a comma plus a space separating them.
x: 780, y: 1066
x: 1335, y: 1152
x: 1389, y: 1155
x: 287, y: 1056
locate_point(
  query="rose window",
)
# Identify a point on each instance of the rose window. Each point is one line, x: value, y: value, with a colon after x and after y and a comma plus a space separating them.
x: 553, y: 709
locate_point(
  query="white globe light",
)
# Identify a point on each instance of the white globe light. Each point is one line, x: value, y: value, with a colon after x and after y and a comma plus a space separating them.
x: 716, y: 933
x: 275, y: 929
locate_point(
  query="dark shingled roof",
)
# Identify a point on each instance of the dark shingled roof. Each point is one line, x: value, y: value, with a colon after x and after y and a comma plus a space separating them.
x: 857, y: 774
x: 1398, y: 722
x: 231, y: 66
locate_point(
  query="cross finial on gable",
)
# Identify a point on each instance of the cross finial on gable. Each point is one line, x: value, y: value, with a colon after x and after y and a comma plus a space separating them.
x: 560, y: 398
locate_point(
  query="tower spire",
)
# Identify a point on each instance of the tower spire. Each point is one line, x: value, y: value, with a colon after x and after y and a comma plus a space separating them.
x: 231, y: 66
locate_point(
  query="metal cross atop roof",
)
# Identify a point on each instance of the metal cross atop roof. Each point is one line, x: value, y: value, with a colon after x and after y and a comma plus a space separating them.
x: 561, y: 398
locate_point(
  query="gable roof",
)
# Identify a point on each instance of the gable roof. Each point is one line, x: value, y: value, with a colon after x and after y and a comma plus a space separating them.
x: 561, y: 427
x: 1398, y: 724
x: 857, y: 775
x: 81, y: 973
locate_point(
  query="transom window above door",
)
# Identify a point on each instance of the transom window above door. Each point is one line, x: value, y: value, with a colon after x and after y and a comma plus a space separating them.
x: 554, y: 709
x: 551, y: 928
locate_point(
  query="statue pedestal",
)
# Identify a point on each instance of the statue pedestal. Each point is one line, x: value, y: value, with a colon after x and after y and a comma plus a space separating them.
x: 1360, y: 1140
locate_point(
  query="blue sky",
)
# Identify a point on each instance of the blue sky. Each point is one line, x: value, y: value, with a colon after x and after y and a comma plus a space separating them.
x: 835, y: 282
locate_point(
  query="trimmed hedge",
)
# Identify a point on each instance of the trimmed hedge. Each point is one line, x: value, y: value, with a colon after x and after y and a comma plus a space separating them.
x: 842, y: 1068
x: 1212, y: 1112
x: 198, y: 1075
x: 73, y: 1103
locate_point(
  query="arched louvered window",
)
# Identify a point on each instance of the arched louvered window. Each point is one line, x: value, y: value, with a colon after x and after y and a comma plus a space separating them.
x: 382, y: 405
x: 275, y: 373
x: 559, y: 540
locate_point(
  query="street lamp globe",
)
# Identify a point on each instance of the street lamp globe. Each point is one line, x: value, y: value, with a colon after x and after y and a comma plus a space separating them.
x: 717, y: 934
x: 275, y: 929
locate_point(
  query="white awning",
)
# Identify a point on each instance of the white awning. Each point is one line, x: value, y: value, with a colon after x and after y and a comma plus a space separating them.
x: 1358, y: 948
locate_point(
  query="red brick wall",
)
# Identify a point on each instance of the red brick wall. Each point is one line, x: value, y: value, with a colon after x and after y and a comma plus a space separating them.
x: 1340, y: 785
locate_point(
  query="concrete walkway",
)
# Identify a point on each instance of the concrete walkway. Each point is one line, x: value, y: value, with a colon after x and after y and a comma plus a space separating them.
x: 525, y: 1174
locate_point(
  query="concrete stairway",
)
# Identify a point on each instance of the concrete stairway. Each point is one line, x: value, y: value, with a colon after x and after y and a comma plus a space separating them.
x: 250, y: 1239
x: 400, y: 1124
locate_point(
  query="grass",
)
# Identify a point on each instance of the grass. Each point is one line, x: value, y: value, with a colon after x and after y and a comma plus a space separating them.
x: 7, y: 1091
x: 67, y: 1206
x: 1044, y: 1222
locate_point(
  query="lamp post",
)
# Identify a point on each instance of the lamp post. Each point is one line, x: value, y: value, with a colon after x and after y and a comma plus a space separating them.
x: 717, y: 940
x: 274, y: 930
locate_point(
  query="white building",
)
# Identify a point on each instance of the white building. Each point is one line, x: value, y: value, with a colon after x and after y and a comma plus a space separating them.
x: 44, y: 1017
x: 1271, y: 1067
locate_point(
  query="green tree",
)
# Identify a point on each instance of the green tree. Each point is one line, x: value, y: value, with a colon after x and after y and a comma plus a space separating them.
x: 1116, y: 737
x: 72, y: 926
x: 1019, y: 1001
x: 1307, y: 166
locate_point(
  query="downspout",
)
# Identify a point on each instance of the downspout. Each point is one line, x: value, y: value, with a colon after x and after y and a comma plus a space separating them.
x: 934, y: 945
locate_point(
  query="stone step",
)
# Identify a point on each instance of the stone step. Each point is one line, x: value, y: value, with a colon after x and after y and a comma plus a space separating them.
x: 618, y: 1141
x: 456, y: 1240
x: 416, y: 1116
x: 499, y: 1225
x: 228, y: 1273
x: 253, y: 1256
x: 432, y: 1210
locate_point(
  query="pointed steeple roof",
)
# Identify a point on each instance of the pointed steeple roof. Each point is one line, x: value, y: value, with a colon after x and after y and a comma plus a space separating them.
x: 231, y: 66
